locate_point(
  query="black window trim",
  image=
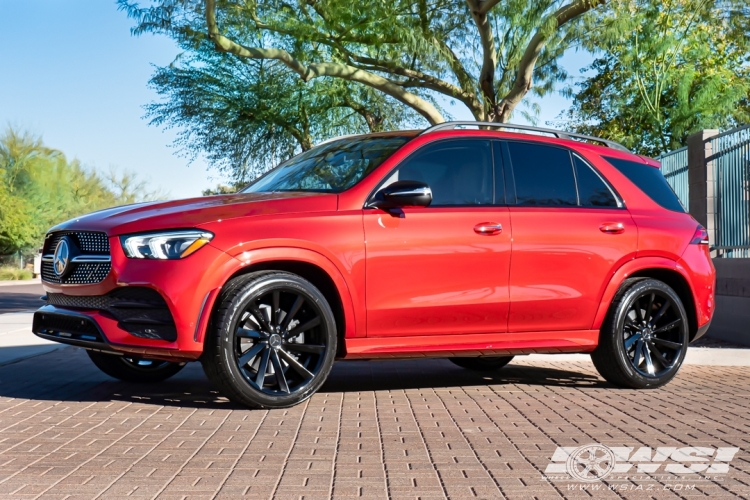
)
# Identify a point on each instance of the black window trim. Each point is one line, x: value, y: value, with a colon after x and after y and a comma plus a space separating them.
x: 510, y: 180
x: 493, y: 160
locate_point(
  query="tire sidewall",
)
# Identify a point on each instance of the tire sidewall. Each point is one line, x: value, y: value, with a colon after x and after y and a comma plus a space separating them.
x: 618, y: 341
x: 227, y: 329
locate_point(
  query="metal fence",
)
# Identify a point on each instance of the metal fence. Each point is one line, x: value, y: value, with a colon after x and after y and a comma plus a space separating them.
x: 674, y: 166
x: 730, y: 160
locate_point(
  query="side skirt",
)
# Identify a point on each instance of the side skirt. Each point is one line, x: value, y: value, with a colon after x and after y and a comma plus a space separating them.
x: 486, y: 344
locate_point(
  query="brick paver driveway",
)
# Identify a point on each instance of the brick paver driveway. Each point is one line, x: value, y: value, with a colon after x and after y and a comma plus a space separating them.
x: 400, y: 429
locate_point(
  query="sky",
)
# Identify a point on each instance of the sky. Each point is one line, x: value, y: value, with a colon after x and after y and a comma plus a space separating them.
x: 71, y: 72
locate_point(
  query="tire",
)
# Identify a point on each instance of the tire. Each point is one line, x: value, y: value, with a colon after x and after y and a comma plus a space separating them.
x: 250, y: 334
x: 645, y: 336
x: 130, y: 369
x: 483, y: 363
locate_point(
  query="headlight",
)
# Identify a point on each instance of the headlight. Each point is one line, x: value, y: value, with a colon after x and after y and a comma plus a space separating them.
x: 164, y: 245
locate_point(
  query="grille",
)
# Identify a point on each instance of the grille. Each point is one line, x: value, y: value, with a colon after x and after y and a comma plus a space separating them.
x: 66, y: 326
x: 140, y: 311
x: 84, y: 273
x: 89, y: 242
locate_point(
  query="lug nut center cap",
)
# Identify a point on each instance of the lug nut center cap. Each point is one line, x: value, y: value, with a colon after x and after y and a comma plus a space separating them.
x: 275, y: 341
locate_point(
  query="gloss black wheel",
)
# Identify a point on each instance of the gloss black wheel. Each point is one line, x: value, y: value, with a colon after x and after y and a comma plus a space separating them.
x: 131, y: 369
x: 645, y: 338
x: 482, y: 363
x: 273, y: 340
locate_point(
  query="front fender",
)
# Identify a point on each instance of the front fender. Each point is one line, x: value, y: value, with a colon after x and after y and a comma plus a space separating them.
x: 249, y: 258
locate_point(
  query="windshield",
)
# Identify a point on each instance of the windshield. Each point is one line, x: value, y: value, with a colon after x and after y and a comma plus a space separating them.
x: 329, y: 168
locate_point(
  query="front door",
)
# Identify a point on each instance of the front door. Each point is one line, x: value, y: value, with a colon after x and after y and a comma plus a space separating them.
x: 570, y: 234
x: 442, y: 269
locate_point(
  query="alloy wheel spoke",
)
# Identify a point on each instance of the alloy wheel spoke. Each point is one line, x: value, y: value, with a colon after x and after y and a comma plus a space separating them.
x: 668, y: 326
x: 280, y: 377
x: 638, y: 312
x: 275, y: 306
x: 638, y: 353
x: 249, y: 334
x: 309, y: 348
x: 648, y: 315
x: 649, y: 363
x: 263, y: 368
x: 250, y: 354
x: 294, y: 364
x: 303, y: 328
x: 632, y: 340
x: 658, y: 355
x: 260, y: 317
x: 661, y: 312
x: 290, y: 315
x: 668, y: 343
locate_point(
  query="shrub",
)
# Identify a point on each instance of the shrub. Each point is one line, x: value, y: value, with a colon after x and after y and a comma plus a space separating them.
x: 15, y: 274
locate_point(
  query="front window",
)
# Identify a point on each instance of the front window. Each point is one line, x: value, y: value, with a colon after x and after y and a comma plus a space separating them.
x: 329, y: 168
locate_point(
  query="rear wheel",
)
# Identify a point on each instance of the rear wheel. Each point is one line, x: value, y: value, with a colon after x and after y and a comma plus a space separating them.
x: 482, y: 363
x: 131, y: 369
x: 272, y: 341
x: 645, y: 337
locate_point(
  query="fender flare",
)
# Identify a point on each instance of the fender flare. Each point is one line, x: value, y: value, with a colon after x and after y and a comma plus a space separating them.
x: 270, y: 254
x: 625, y: 271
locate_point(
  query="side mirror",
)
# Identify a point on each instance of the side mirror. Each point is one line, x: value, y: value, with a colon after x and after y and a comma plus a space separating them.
x: 402, y: 194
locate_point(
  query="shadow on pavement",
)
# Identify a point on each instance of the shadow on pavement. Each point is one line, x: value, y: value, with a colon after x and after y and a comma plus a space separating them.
x: 14, y: 302
x: 68, y: 375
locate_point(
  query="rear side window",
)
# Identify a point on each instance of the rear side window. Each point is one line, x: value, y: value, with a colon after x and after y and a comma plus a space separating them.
x: 543, y: 175
x: 592, y: 190
x: 649, y: 180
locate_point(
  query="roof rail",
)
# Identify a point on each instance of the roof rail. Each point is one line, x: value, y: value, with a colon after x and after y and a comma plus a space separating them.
x: 525, y: 128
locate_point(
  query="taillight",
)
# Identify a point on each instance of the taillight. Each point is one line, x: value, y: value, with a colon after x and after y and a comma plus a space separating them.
x: 700, y: 237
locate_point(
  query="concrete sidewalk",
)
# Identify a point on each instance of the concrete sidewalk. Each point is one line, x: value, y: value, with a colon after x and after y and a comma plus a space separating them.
x: 16, y: 340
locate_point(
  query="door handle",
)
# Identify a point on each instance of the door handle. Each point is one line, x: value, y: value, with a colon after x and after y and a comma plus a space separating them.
x: 488, y: 228
x: 612, y: 228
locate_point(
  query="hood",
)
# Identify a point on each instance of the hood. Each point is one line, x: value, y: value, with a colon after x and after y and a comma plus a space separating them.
x: 192, y: 212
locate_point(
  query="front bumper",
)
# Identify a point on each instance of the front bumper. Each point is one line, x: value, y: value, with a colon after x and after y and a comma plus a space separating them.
x: 188, y: 288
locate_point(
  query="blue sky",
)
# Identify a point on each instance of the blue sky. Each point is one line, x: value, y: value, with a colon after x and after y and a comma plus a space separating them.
x: 72, y: 73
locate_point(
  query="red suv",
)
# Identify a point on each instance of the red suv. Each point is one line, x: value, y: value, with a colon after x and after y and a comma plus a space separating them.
x: 460, y: 241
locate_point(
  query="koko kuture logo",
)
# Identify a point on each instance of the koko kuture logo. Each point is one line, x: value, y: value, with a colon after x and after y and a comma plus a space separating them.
x: 596, y: 462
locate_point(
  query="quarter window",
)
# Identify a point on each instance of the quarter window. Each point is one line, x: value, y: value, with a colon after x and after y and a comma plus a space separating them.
x: 459, y: 172
x: 543, y: 175
x: 592, y: 190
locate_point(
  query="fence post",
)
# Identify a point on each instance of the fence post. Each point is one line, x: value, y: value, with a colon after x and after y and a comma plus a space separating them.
x: 701, y: 182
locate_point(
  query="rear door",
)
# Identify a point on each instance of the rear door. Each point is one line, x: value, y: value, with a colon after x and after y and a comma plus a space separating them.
x: 441, y: 269
x: 570, y: 233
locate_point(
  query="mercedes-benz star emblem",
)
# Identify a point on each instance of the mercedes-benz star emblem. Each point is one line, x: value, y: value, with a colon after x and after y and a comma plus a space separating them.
x: 61, y: 258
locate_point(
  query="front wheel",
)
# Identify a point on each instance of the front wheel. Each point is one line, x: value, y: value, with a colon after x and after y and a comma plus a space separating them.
x: 272, y: 341
x: 645, y: 337
x: 131, y: 369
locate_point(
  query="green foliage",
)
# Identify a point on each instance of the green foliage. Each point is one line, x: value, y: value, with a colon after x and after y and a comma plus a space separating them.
x: 14, y: 274
x: 39, y: 188
x: 247, y: 115
x: 260, y: 79
x: 663, y: 71
x: 222, y: 189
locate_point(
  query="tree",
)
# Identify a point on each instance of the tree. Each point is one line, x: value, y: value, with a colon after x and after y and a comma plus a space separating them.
x: 664, y: 70
x: 39, y: 188
x: 485, y: 54
x: 247, y: 115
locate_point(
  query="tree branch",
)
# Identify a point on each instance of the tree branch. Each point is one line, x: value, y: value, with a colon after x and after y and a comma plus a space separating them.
x: 316, y: 70
x: 489, y: 54
x: 523, y: 80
